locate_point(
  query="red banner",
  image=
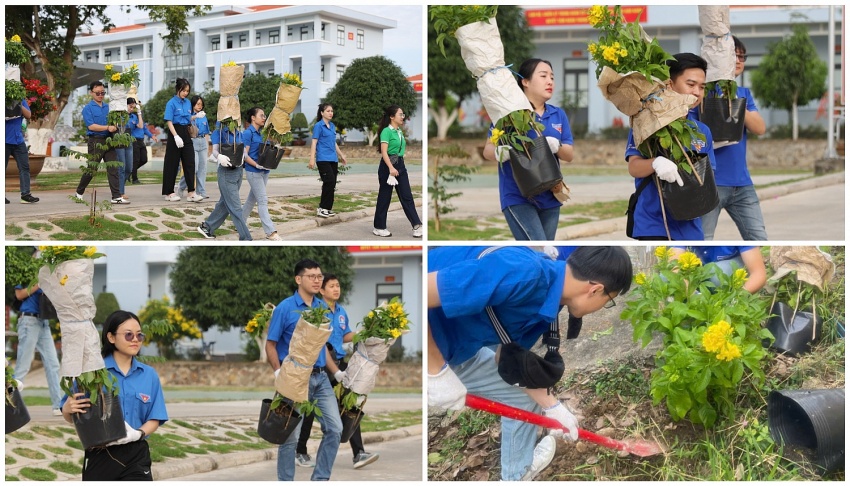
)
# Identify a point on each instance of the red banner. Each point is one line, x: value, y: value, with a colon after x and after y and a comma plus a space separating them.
x: 577, y: 16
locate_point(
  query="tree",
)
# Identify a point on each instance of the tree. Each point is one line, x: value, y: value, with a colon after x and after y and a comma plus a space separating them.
x: 790, y: 74
x: 444, y: 176
x: 49, y: 32
x: 224, y: 286
x: 258, y: 90
x: 106, y: 304
x: 365, y: 89
x: 153, y: 110
x: 300, y: 126
x: 449, y: 75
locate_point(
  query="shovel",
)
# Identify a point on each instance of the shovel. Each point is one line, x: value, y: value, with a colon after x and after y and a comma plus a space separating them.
x: 640, y: 448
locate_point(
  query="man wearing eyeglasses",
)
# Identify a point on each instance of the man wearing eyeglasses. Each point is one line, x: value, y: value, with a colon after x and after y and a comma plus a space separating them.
x: 472, y: 292
x: 98, y: 131
x: 734, y: 184
x: 308, y: 278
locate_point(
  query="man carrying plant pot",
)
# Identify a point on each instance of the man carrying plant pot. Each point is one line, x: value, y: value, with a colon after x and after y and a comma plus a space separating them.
x: 734, y: 184
x: 308, y: 278
x: 687, y: 76
x: 472, y: 291
x: 16, y: 147
x: 342, y: 333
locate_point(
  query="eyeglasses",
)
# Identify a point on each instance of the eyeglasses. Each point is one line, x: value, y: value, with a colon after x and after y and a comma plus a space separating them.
x: 741, y: 57
x: 98, y: 93
x: 610, y: 304
x: 129, y: 335
x: 315, y: 277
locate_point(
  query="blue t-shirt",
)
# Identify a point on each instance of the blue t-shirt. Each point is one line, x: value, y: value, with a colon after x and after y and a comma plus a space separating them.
x: 14, y: 130
x: 178, y: 111
x: 31, y: 303
x: 203, y: 126
x: 523, y: 286
x: 340, y: 327
x: 648, y: 218
x: 712, y: 254
x: 732, y: 159
x: 135, y: 131
x: 555, y: 124
x: 325, y: 137
x: 253, y: 141
x: 95, y: 114
x: 284, y: 318
x: 140, y: 393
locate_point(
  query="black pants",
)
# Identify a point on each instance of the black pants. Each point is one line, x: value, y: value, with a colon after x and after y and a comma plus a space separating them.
x: 140, y: 156
x: 328, y: 172
x: 356, y: 440
x: 174, y: 157
x: 127, y: 462
x: 98, y: 154
x: 385, y: 195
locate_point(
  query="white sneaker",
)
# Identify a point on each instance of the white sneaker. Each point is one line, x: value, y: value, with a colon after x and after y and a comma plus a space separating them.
x: 323, y: 213
x: 417, y: 231
x: 274, y: 237
x: 172, y: 198
x: 544, y: 451
x: 78, y: 197
x: 119, y: 200
x: 381, y: 232
x: 57, y: 412
x: 195, y: 198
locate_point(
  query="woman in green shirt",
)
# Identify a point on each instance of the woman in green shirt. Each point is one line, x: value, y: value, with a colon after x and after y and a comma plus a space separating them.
x: 392, y: 173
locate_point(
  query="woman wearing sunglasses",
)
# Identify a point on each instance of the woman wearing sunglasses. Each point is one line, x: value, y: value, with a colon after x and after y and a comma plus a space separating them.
x: 142, y: 402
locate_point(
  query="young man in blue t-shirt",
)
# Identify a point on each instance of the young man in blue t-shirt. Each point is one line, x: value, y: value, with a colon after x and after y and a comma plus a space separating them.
x: 734, y: 185
x: 16, y: 147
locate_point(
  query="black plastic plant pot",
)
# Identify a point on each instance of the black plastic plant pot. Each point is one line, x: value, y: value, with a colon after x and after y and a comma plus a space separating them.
x: 234, y: 151
x: 270, y: 156
x: 350, y: 421
x: 725, y: 118
x: 276, y: 425
x: 691, y: 200
x: 102, y: 423
x: 16, y: 412
x: 794, y: 332
x: 14, y: 110
x: 811, y: 419
x: 538, y: 173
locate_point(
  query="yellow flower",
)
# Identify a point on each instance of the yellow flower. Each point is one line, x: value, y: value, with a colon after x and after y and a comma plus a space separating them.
x: 134, y: 66
x: 108, y: 67
x: 16, y: 38
x: 63, y: 280
x: 90, y: 250
x: 494, y: 137
x: 395, y: 333
x: 596, y: 15
x: 689, y: 260
x: 662, y: 253
x: 739, y: 277
x: 116, y: 77
x: 624, y: 53
x: 729, y: 352
x: 640, y: 279
x: 592, y: 48
x: 716, y: 336
x: 371, y: 314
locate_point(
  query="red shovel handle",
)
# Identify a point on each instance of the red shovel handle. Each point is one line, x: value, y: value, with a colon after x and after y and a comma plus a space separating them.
x: 489, y: 406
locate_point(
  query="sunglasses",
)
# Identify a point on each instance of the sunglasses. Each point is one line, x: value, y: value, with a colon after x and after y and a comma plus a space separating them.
x: 742, y: 58
x: 98, y: 93
x: 129, y: 336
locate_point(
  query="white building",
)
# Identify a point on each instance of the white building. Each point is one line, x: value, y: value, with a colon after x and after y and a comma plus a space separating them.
x: 316, y: 42
x: 136, y: 274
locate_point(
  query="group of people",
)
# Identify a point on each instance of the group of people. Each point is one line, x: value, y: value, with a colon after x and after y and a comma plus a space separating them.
x: 536, y: 218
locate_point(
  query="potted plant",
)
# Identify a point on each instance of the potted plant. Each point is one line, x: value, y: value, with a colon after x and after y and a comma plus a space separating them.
x: 66, y: 276
x: 350, y: 410
x: 16, y: 411
x: 308, y: 340
x: 258, y: 327
x: 279, y: 416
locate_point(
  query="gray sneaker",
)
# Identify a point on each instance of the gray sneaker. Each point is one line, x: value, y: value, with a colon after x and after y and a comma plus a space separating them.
x: 364, y: 459
x: 543, y: 454
x: 304, y: 460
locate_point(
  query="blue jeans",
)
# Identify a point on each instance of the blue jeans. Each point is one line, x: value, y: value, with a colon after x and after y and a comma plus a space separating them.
x: 21, y: 154
x: 34, y: 333
x: 321, y: 392
x: 530, y: 223
x: 258, y: 181
x: 481, y: 377
x: 742, y: 204
x: 125, y: 156
x: 229, y: 181
x: 201, y: 150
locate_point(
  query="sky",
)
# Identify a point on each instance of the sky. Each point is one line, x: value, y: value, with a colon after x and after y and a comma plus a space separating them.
x: 402, y: 44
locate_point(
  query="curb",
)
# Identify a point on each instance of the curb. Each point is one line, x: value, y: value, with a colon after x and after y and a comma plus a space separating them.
x: 203, y: 464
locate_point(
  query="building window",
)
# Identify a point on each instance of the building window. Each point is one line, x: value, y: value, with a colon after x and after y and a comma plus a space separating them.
x: 340, y: 35
x: 305, y: 32
x: 322, y: 73
x: 289, y: 33
x: 259, y: 39
x: 270, y: 72
x: 361, y: 39
x: 88, y: 57
x: 215, y: 43
x: 243, y: 40
x: 274, y: 36
x: 107, y: 56
x: 230, y: 42
x: 340, y: 69
x: 323, y: 32
x: 129, y: 53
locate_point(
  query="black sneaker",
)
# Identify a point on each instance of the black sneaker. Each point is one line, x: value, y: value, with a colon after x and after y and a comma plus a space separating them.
x: 136, y: 181
x: 7, y: 200
x: 28, y: 199
x: 364, y: 459
x: 205, y: 230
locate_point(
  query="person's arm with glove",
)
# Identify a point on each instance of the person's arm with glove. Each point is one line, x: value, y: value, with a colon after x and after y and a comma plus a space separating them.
x: 218, y: 158
x: 666, y: 169
x: 177, y: 140
x: 132, y: 435
x: 553, y: 408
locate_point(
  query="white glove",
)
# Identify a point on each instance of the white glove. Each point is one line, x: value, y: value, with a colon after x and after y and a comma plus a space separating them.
x: 132, y: 435
x: 554, y: 144
x: 667, y: 170
x: 214, y: 157
x: 178, y: 141
x: 551, y: 252
x: 560, y: 413
x: 20, y: 385
x: 503, y: 153
x: 445, y: 390
x: 339, y: 376
x: 223, y: 160
x: 392, y: 181
x: 276, y: 372
x: 200, y: 114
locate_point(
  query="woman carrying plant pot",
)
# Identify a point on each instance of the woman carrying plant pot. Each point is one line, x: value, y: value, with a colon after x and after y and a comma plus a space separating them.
x: 342, y: 333
x: 142, y: 402
x: 651, y: 222
x: 257, y: 175
x: 229, y: 182
x: 325, y: 154
x: 178, y: 148
x: 200, y: 146
x: 393, y: 173
x: 534, y: 218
